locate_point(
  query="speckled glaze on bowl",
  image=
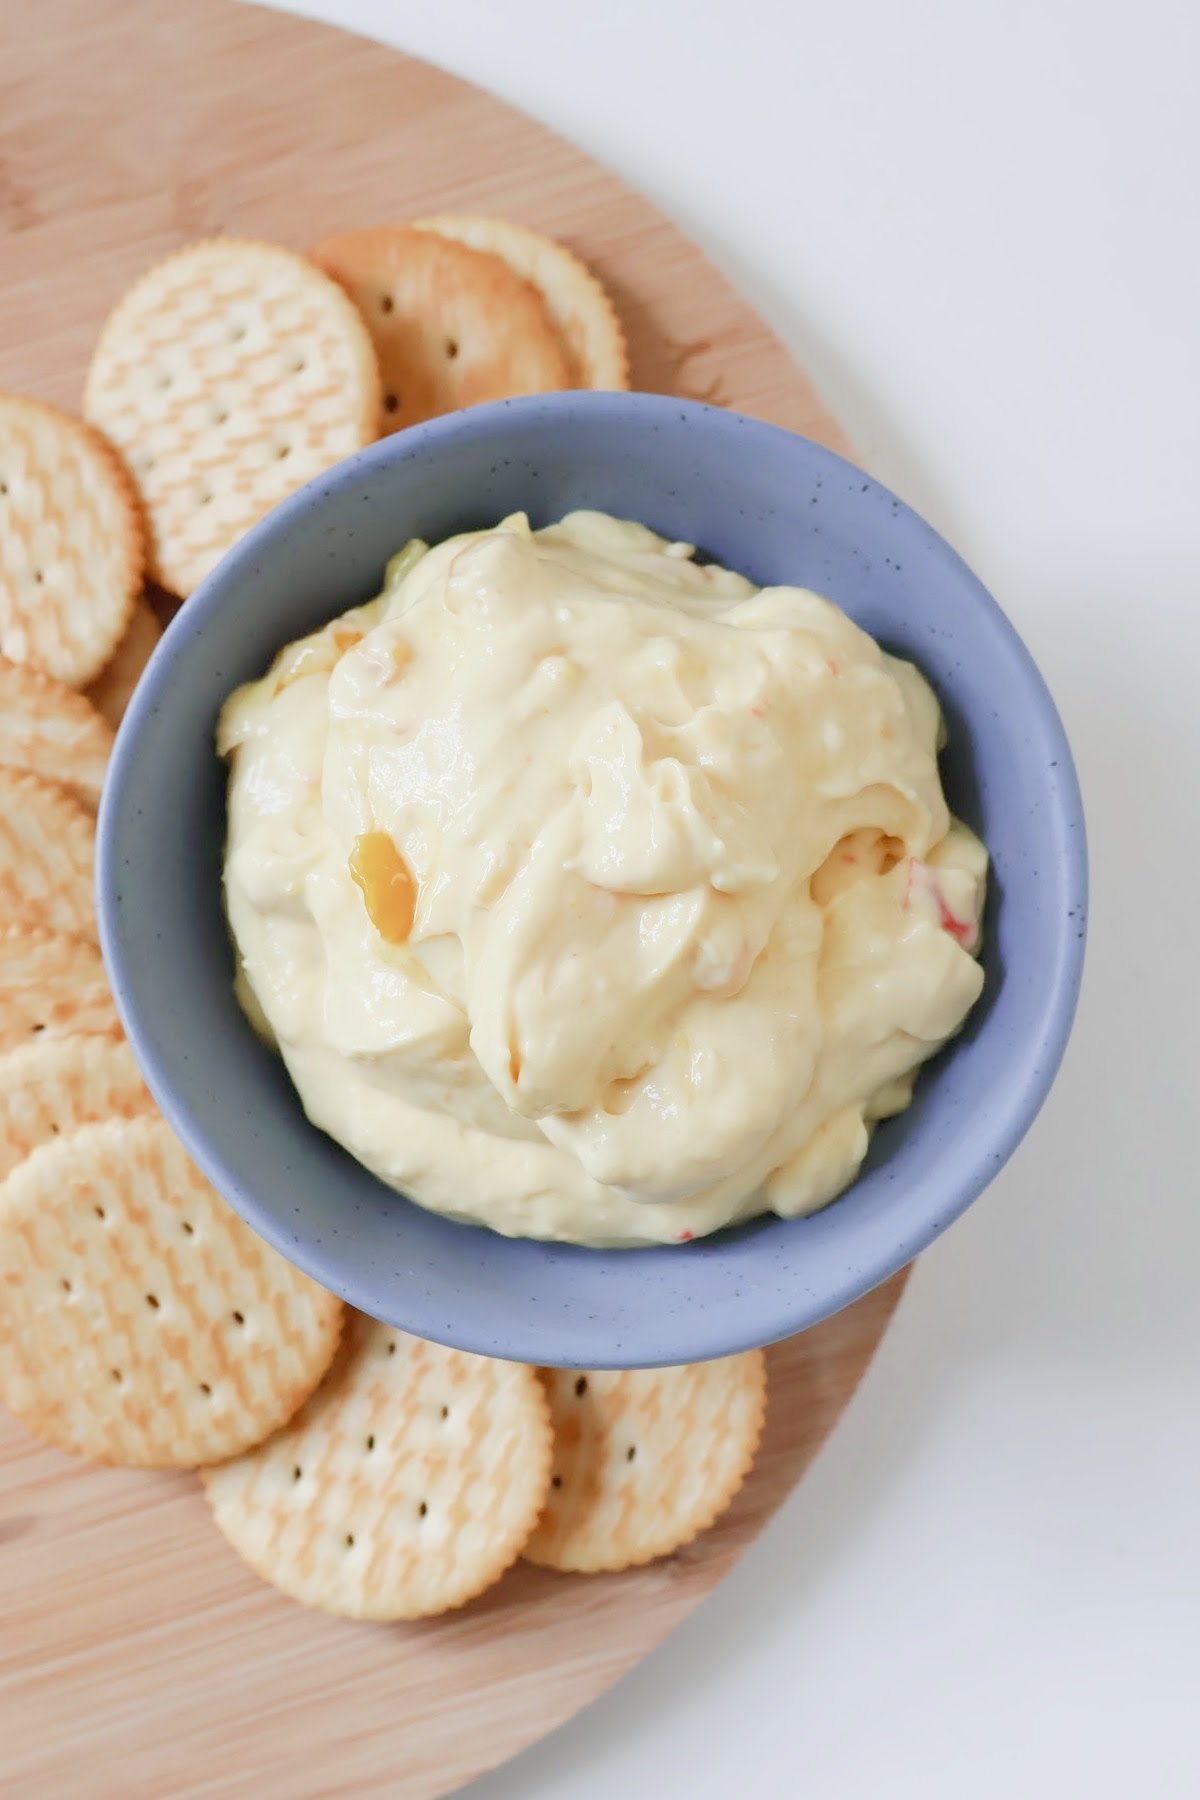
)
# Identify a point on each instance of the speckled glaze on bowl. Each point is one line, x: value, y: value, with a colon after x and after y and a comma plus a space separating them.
x: 777, y: 507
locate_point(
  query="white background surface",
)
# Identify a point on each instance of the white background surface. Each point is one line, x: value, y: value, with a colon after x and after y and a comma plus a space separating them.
x: 976, y: 222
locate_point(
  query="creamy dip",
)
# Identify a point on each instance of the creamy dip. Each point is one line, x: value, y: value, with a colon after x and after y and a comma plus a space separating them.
x: 592, y: 893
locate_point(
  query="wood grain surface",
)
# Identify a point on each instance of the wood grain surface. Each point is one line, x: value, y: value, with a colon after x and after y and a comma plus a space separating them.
x: 138, y: 1657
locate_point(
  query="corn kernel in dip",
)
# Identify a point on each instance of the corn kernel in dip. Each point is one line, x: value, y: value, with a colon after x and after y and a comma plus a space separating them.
x: 387, y: 885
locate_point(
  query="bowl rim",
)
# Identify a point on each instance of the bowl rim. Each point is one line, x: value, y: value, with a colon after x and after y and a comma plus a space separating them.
x: 778, y: 1315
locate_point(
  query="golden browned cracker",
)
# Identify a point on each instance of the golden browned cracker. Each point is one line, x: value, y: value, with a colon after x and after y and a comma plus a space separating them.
x: 47, y: 842
x: 72, y: 542
x: 228, y: 376
x: 50, y: 1086
x: 576, y: 301
x: 143, y: 1322
x: 50, y: 983
x: 452, y: 326
x: 407, y: 1485
x: 48, y: 728
x: 645, y: 1459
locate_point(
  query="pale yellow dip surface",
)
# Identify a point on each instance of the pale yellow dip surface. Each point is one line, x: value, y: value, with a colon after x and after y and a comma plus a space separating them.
x: 593, y: 894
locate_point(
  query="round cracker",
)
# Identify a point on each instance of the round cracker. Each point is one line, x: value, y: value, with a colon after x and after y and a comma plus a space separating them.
x: 47, y: 843
x: 645, y: 1459
x: 406, y: 1486
x: 72, y: 542
x: 50, y: 983
x: 51, y: 1086
x: 51, y: 730
x: 229, y: 375
x: 586, y: 319
x: 112, y: 689
x: 143, y: 1322
x: 452, y: 326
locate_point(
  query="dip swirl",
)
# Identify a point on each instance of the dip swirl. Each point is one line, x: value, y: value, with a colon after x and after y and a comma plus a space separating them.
x: 592, y: 893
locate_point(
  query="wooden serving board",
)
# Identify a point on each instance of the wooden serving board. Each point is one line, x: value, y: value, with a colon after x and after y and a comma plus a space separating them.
x: 137, y: 1656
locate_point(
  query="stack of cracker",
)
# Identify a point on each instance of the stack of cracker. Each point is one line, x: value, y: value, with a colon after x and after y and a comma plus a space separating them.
x: 235, y: 371
x: 357, y: 1468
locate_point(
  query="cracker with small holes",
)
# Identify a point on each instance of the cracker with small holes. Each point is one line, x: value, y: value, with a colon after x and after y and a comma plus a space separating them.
x: 49, y: 1087
x: 72, y: 542
x: 51, y: 983
x: 49, y: 729
x: 47, y: 841
x: 405, y: 1487
x: 143, y: 1322
x: 229, y: 375
x: 452, y: 326
x: 113, y: 688
x: 587, y: 321
x: 645, y: 1459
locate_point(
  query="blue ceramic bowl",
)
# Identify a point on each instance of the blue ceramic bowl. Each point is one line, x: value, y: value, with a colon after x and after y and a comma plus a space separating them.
x: 777, y: 507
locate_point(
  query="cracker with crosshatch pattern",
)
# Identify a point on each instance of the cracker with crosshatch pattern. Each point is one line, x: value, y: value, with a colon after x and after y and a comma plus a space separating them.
x: 51, y: 1086
x: 406, y: 1485
x: 228, y: 376
x: 581, y: 310
x: 49, y: 729
x: 645, y: 1459
x: 50, y: 982
x: 72, y: 542
x: 144, y: 1323
x: 452, y: 326
x: 47, y: 843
